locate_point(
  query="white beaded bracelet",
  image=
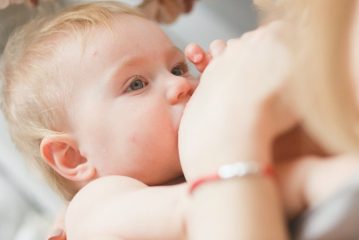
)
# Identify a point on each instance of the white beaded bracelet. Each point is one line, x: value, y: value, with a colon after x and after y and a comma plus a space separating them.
x: 228, y: 171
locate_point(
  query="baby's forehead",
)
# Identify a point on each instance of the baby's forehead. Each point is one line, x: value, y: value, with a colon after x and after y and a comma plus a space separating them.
x: 126, y: 38
x: 128, y: 34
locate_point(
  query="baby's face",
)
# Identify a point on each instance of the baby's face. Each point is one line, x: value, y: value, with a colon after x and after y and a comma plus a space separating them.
x: 130, y: 88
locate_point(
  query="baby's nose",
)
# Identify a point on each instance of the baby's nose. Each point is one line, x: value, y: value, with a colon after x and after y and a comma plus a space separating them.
x: 180, y: 90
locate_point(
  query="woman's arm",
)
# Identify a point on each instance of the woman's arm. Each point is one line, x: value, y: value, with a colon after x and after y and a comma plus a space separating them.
x: 237, y: 209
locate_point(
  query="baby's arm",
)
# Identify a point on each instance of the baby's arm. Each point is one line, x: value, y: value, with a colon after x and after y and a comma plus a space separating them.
x: 123, y: 208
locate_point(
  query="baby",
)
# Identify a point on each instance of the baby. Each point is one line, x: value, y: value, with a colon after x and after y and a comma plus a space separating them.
x: 95, y: 96
x: 99, y: 91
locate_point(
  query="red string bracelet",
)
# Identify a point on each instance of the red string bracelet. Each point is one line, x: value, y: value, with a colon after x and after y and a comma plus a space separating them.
x: 238, y: 169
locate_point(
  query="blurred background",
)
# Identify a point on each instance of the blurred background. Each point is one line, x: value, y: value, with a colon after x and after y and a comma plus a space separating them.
x: 27, y: 204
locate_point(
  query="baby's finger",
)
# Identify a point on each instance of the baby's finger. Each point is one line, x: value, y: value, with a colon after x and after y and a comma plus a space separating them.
x: 216, y: 47
x: 197, y: 56
x: 194, y: 53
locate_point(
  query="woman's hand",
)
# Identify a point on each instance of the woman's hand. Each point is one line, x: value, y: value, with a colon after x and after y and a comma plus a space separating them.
x: 232, y: 116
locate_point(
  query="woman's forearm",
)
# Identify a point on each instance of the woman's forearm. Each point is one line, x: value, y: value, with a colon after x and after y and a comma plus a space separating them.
x: 240, y: 208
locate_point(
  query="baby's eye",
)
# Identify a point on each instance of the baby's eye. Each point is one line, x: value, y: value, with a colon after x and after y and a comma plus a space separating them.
x: 180, y: 69
x: 136, y: 84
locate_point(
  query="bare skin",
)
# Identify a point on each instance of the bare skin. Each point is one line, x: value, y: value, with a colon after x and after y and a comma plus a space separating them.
x: 116, y: 207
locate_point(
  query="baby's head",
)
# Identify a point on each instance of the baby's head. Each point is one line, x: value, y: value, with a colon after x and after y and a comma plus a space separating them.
x: 96, y: 90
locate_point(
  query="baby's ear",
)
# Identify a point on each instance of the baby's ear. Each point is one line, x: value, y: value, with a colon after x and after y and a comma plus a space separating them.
x: 62, y: 154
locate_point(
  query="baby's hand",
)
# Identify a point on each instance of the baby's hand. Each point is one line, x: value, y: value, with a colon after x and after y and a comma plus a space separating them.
x: 199, y: 57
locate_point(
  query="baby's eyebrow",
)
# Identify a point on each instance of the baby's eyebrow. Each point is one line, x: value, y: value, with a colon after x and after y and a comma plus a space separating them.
x: 113, y: 78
